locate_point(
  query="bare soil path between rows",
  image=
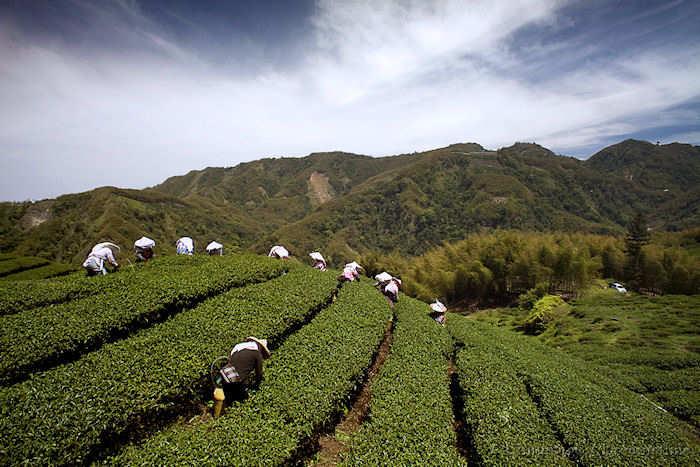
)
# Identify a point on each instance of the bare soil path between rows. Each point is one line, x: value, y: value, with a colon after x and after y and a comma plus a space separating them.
x: 464, y: 444
x: 333, y: 445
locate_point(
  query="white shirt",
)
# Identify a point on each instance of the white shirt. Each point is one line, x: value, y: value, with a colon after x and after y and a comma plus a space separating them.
x: 104, y: 254
x: 186, y: 243
x: 279, y: 251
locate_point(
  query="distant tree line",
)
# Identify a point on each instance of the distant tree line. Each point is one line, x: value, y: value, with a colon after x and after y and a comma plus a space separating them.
x: 499, y: 266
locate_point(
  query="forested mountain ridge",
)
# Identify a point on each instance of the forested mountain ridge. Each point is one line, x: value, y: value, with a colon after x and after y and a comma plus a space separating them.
x: 665, y: 167
x: 450, y: 192
x: 276, y: 191
x: 347, y: 204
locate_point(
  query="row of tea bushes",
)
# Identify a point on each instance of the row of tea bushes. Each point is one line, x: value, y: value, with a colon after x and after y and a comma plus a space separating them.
x: 69, y: 414
x: 21, y: 295
x: 20, y: 263
x: 597, y: 420
x: 410, y: 419
x: 308, y: 382
x: 18, y: 296
x: 40, y: 338
x: 503, y: 422
x: 40, y: 272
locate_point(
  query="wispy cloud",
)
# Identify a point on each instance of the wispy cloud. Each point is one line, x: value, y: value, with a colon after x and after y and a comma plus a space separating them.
x: 375, y: 77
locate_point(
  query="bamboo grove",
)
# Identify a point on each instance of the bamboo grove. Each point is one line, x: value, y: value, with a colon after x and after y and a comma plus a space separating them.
x: 498, y: 266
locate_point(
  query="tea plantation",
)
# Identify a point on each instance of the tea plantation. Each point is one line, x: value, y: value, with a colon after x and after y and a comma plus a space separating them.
x: 114, y: 370
x: 19, y: 268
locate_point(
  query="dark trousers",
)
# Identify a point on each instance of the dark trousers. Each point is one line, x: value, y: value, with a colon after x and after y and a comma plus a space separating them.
x: 235, y: 392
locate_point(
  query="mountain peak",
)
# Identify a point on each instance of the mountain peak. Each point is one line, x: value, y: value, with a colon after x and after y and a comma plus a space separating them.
x: 465, y: 147
x: 526, y: 149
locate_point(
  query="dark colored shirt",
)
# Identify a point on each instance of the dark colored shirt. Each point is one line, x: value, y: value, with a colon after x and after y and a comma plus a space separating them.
x: 249, y: 365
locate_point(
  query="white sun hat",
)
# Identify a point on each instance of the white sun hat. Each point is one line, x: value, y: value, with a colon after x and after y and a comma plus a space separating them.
x: 110, y: 245
x: 438, y: 306
x: 383, y: 277
x: 278, y: 250
x: 144, y: 242
x: 317, y: 256
x: 214, y: 246
x: 262, y: 343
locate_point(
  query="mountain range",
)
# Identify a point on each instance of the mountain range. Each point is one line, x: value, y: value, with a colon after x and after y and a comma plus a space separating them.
x: 345, y: 204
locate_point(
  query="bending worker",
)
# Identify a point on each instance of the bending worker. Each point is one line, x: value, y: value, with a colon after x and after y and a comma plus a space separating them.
x: 391, y: 290
x: 245, y: 367
x: 351, y: 272
x: 184, y: 246
x: 143, y: 247
x: 319, y: 261
x: 438, y: 312
x: 279, y: 252
x: 215, y: 249
x: 95, y: 262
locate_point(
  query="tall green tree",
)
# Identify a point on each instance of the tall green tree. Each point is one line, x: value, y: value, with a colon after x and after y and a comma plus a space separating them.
x: 637, y: 237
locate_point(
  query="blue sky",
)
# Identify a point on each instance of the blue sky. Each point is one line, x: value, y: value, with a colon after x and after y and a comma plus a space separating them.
x: 127, y: 93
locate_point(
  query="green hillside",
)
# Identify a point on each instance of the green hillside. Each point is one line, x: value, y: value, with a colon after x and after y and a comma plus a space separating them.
x: 124, y: 374
x: 66, y: 228
x: 348, y: 204
x: 648, y: 344
x: 277, y: 191
x: 671, y: 169
x: 18, y: 268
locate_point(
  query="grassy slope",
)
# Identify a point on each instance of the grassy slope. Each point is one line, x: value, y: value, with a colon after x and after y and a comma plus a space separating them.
x: 649, y: 344
x: 76, y: 222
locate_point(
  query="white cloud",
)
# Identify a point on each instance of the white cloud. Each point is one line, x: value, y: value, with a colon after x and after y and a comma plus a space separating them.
x: 378, y: 78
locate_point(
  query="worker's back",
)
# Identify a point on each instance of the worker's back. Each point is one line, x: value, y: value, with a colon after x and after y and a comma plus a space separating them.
x: 247, y: 360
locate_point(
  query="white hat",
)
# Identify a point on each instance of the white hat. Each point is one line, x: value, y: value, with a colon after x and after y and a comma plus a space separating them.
x: 278, y: 250
x: 214, y: 246
x: 144, y: 242
x: 262, y: 344
x: 115, y: 248
x: 383, y: 277
x: 353, y: 265
x: 317, y: 256
x: 438, y: 307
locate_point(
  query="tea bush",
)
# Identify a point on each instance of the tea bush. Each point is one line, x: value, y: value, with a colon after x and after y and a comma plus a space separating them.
x: 504, y: 423
x: 410, y: 419
x: 41, y: 272
x: 21, y: 263
x: 18, y: 296
x: 38, y: 338
x: 682, y: 403
x: 307, y: 384
x: 21, y: 296
x: 68, y: 414
x: 597, y: 420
